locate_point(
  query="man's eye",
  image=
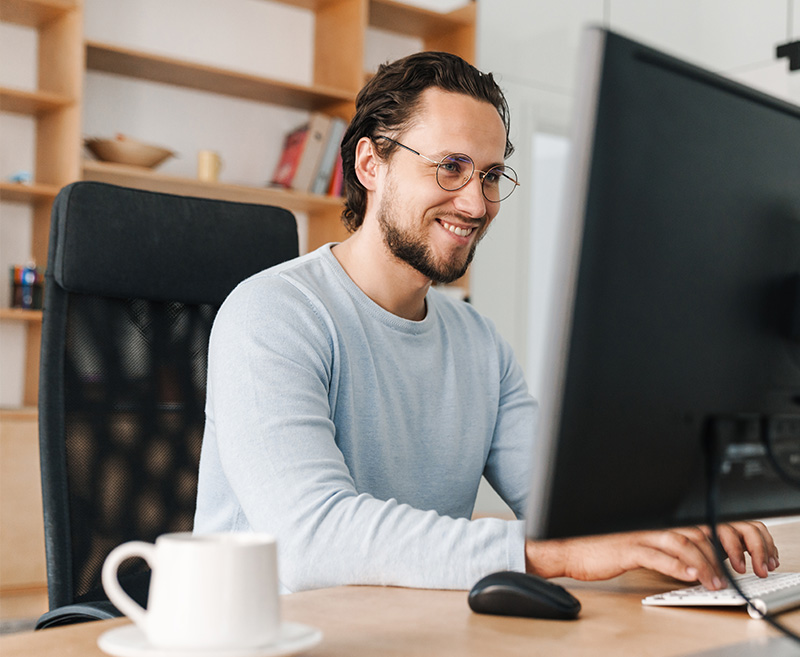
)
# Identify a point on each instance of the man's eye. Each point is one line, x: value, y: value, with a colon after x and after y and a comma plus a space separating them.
x: 496, y: 176
x: 455, y: 165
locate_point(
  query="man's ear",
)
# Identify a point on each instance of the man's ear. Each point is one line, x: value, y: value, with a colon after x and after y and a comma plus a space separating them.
x: 366, y: 164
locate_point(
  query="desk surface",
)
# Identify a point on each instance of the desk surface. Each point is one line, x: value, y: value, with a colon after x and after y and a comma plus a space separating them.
x: 359, y: 621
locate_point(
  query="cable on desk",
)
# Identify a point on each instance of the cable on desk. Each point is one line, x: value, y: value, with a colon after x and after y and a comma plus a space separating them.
x: 713, y: 449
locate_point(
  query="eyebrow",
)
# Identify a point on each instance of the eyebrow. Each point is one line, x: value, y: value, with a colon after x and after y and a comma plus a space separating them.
x: 442, y: 154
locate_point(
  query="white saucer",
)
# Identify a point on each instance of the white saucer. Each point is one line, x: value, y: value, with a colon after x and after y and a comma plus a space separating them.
x: 130, y: 641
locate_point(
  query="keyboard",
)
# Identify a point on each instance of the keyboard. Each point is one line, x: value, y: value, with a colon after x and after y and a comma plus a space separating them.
x: 772, y: 595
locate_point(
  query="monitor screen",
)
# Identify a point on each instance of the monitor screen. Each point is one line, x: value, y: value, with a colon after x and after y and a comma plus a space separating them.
x: 676, y: 322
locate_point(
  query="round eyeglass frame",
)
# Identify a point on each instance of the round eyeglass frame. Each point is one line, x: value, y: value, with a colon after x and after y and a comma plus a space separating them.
x: 463, y: 156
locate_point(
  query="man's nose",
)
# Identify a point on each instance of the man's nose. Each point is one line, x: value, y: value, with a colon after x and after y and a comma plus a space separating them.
x: 470, y: 200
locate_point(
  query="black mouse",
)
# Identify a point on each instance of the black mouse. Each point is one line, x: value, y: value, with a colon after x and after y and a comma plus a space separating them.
x: 509, y: 593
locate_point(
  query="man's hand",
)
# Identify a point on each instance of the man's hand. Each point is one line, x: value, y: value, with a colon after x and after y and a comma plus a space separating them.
x: 684, y: 553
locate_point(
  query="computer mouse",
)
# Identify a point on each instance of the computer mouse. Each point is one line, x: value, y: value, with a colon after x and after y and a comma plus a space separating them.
x: 509, y: 593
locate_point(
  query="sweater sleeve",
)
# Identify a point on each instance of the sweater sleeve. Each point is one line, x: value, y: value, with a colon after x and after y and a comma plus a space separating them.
x: 269, y: 410
x: 508, y: 467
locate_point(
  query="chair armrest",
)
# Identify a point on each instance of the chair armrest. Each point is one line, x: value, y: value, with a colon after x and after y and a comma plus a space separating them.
x: 77, y: 613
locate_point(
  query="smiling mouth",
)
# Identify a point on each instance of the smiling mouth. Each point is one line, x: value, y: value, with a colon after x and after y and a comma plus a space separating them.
x: 457, y: 230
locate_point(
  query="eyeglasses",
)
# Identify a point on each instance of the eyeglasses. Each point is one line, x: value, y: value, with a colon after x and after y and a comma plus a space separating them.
x: 454, y: 171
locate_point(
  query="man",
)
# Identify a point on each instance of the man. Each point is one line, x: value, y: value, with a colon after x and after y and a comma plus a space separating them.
x: 352, y: 408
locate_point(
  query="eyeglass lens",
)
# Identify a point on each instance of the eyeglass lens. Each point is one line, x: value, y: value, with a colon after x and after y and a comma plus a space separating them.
x: 455, y: 171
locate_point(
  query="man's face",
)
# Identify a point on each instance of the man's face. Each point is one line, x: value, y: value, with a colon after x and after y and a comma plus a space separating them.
x: 433, y: 230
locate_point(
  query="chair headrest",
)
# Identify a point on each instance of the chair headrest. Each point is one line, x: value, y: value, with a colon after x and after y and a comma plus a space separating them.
x: 114, y: 241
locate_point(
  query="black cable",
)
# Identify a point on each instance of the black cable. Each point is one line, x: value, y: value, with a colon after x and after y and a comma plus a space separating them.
x: 713, y: 466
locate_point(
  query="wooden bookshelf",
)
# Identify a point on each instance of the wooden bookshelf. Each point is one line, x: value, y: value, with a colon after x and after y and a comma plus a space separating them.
x: 415, y: 21
x: 141, y: 178
x: 34, y: 13
x: 54, y: 106
x: 33, y: 103
x: 168, y: 70
x: 339, y: 38
x: 21, y: 315
x: 323, y: 211
x: 28, y: 193
x: 19, y: 413
x: 22, y: 566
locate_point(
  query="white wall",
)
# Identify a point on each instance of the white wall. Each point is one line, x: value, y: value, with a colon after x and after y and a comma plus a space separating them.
x: 532, y: 46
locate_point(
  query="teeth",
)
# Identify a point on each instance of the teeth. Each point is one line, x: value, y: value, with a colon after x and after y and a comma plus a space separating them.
x: 462, y: 232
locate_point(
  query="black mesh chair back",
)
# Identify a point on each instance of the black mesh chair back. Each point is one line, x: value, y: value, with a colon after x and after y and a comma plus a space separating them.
x: 134, y: 280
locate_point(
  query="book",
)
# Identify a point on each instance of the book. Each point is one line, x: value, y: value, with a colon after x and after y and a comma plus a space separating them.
x: 337, y: 179
x: 290, y: 157
x: 327, y: 162
x: 318, y: 129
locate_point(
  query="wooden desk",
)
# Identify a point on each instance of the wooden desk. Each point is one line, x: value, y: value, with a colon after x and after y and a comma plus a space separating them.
x: 360, y: 621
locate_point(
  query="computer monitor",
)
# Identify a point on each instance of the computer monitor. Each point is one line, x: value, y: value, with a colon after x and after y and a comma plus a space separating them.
x: 677, y: 319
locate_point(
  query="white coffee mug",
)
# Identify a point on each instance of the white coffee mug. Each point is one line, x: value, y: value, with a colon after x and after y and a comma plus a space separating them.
x: 218, y: 591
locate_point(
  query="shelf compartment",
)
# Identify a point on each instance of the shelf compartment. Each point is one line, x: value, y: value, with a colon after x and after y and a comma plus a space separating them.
x: 33, y: 103
x: 157, y: 68
x: 139, y: 178
x: 28, y: 193
x: 34, y: 13
x: 20, y: 315
x: 414, y: 21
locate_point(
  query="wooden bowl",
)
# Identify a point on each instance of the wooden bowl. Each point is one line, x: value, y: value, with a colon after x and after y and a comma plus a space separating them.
x: 124, y: 150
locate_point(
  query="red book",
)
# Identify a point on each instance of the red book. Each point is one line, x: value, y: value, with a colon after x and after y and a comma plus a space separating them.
x: 290, y: 157
x: 337, y: 179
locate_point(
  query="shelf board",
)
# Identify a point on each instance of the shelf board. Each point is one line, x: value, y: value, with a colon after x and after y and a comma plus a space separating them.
x: 305, y: 4
x: 157, y: 68
x: 140, y: 178
x: 34, y: 13
x: 27, y: 193
x: 20, y: 315
x: 34, y: 103
x: 405, y: 19
x: 18, y: 413
x: 396, y: 16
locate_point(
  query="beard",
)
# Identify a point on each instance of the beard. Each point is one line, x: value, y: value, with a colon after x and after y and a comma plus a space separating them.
x: 412, y: 247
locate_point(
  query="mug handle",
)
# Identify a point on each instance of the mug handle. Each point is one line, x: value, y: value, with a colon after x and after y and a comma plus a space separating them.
x: 114, y: 591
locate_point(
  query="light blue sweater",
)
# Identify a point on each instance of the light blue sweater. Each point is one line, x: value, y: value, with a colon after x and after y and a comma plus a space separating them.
x: 358, y: 438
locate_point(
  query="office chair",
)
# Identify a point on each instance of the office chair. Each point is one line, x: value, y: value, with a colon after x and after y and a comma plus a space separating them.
x: 134, y: 280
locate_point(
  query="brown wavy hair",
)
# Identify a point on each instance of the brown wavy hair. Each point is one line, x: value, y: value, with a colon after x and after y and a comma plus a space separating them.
x: 389, y: 102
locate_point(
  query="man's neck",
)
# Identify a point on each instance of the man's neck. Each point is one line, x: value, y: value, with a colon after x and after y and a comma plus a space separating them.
x: 391, y: 283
